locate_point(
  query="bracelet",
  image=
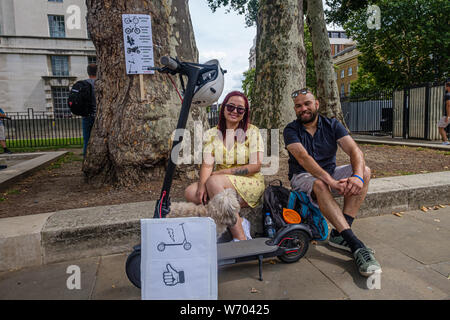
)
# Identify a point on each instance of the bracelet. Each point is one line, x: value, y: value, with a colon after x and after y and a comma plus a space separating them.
x: 359, y: 178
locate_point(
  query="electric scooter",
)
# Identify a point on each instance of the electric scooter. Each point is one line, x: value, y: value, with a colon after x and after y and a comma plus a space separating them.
x: 289, y: 244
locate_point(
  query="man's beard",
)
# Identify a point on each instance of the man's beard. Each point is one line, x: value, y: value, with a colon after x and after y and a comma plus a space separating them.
x: 313, y: 117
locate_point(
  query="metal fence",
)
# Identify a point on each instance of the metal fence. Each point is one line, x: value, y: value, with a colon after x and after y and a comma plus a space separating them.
x: 42, y: 129
x: 409, y: 113
x: 369, y: 114
x: 417, y: 111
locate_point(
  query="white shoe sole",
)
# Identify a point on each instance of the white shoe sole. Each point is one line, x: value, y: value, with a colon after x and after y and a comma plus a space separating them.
x: 338, y: 246
x: 370, y: 273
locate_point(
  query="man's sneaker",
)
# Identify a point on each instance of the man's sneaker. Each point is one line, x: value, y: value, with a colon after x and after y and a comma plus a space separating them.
x: 337, y: 241
x: 446, y: 143
x: 366, y: 263
x: 6, y: 150
x: 246, y: 226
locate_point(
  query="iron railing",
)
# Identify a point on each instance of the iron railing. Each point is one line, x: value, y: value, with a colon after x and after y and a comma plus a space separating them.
x: 42, y: 129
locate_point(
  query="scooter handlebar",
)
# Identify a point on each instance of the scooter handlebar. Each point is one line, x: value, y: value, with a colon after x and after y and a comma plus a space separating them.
x: 169, y: 62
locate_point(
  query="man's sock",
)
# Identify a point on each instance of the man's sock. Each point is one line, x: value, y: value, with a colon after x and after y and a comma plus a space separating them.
x: 353, y: 242
x: 349, y: 219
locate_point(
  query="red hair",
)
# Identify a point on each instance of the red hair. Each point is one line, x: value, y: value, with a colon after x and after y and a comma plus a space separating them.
x: 243, y: 124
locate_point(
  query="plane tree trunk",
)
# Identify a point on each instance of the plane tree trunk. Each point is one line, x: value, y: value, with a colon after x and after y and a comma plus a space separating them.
x: 130, y: 139
x: 327, y: 90
x: 280, y: 62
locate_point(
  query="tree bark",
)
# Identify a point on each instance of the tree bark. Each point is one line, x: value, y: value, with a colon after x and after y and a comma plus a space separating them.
x: 280, y: 62
x: 130, y: 139
x: 327, y: 90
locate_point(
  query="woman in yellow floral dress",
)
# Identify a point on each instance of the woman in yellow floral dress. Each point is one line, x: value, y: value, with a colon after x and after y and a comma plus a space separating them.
x: 235, y: 147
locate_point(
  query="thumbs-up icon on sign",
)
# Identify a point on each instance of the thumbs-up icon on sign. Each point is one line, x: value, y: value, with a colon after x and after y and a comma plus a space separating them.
x: 172, y: 277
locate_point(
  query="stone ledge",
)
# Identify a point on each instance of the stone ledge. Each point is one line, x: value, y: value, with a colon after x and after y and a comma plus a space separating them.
x: 87, y: 232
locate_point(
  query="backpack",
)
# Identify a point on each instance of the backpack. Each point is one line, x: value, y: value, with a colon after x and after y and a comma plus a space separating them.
x: 275, y: 198
x: 80, y: 98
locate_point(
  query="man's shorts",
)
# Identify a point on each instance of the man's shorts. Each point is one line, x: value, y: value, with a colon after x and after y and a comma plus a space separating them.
x: 442, y: 123
x: 304, y: 182
x: 2, y: 133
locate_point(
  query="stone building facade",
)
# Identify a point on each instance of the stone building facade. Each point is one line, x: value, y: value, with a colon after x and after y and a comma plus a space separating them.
x: 44, y: 49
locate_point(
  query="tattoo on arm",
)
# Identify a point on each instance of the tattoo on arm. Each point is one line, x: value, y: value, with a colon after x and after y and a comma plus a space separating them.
x: 240, y: 172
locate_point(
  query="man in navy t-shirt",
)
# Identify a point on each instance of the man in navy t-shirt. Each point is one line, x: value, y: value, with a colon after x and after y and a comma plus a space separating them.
x: 312, y: 142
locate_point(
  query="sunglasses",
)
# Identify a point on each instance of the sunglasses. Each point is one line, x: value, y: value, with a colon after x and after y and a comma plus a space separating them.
x: 296, y: 93
x: 231, y: 108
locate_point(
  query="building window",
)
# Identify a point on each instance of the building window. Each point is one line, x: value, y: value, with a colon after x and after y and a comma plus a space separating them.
x: 55, y: 0
x: 336, y: 49
x: 343, y: 35
x: 60, y: 65
x: 342, y: 90
x: 56, y: 26
x: 60, y: 96
x: 350, y: 71
x: 92, y: 60
x: 335, y: 34
x: 349, y: 89
x: 342, y: 74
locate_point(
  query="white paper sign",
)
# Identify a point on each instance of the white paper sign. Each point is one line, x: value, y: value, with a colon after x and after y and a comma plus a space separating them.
x: 138, y: 43
x: 178, y: 259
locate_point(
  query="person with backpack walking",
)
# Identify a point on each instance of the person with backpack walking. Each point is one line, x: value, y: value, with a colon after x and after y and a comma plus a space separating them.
x: 88, y: 121
x: 82, y: 102
x: 312, y: 142
x: 2, y: 132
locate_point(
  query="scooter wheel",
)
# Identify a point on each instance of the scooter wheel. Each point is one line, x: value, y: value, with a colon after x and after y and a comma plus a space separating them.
x: 296, y: 240
x: 161, y: 247
x: 187, y: 246
x: 133, y: 268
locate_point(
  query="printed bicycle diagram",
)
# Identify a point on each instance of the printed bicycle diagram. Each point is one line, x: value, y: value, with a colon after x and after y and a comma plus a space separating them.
x: 134, y: 29
x: 186, y: 245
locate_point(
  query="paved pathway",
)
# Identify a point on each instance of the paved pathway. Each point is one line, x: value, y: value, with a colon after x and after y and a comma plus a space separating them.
x: 412, y: 249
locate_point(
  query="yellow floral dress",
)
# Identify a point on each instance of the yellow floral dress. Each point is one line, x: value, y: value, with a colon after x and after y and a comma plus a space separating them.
x: 250, y: 188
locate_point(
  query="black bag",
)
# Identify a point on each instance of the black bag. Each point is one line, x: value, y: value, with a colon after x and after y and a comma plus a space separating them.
x: 278, y: 197
x: 81, y: 98
x: 275, y: 198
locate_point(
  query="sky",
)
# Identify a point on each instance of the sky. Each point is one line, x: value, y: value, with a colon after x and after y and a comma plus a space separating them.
x: 225, y: 37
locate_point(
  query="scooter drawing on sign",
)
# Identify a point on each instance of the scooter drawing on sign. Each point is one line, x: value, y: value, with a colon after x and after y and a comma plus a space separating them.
x: 186, y: 245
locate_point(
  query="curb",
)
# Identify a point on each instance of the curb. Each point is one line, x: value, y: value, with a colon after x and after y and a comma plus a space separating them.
x: 88, y: 232
x: 403, y: 143
x: 11, y: 175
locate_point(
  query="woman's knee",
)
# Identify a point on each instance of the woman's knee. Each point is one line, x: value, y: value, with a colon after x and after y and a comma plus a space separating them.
x: 190, y: 192
x: 215, y: 183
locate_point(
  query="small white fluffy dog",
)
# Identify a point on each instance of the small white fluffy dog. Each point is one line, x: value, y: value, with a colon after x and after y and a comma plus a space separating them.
x: 223, y: 209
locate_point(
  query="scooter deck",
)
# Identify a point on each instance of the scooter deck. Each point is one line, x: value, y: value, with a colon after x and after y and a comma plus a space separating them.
x: 235, y: 252
x: 243, y: 249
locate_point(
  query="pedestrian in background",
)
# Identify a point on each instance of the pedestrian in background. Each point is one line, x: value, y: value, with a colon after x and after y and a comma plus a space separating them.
x: 445, y: 120
x: 2, y: 132
x: 88, y: 121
